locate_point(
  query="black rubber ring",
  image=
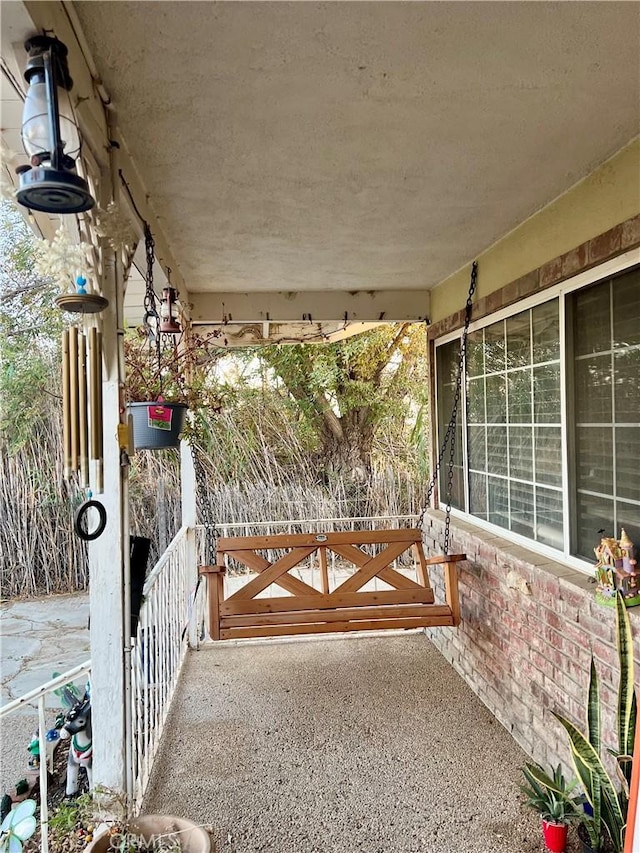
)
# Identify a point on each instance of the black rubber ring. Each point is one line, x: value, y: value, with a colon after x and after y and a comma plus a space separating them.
x: 80, y: 522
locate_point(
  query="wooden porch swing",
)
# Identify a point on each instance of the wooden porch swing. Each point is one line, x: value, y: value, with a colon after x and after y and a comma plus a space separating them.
x: 347, y: 607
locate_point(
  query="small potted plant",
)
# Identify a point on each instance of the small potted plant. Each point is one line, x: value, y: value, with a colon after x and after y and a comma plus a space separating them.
x: 156, y: 390
x: 157, y: 833
x: 549, y: 795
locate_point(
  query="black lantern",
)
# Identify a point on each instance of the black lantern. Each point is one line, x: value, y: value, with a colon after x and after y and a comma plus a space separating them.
x: 169, y: 313
x: 50, y: 134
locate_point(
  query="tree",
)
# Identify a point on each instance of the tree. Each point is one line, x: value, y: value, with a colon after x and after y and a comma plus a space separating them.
x: 348, y: 392
x: 30, y: 327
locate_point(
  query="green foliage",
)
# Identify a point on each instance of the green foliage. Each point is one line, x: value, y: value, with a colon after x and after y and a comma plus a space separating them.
x: 549, y: 795
x: 609, y: 806
x: 358, y: 396
x: 30, y: 330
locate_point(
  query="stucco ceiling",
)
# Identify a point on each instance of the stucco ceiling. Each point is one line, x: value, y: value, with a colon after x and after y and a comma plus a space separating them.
x: 358, y: 145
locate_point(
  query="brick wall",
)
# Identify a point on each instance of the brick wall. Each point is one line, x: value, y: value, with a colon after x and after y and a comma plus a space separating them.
x: 529, y: 624
x: 524, y: 644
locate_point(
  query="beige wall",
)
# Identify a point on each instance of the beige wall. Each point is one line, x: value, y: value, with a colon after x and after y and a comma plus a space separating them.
x: 606, y: 197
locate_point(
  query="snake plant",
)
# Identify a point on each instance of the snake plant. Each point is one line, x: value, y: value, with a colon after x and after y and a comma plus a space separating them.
x: 609, y: 805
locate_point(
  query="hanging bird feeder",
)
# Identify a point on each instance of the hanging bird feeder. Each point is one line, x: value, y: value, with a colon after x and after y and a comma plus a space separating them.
x: 169, y: 312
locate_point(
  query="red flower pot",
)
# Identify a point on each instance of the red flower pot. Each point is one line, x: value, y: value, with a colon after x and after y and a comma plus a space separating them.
x: 555, y: 836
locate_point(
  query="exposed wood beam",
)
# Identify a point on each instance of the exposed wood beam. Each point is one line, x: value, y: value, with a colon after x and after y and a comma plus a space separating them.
x: 389, y: 306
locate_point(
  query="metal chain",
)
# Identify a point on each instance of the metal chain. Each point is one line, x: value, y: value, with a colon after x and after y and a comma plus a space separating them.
x: 151, y: 300
x: 450, y: 434
x: 208, y: 520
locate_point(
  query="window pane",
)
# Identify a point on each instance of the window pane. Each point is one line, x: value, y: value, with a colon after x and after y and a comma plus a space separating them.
x: 494, y: 348
x: 447, y: 367
x: 522, y: 517
x: 475, y: 400
x: 478, y: 495
x: 607, y: 391
x: 594, y: 514
x: 475, y: 353
x: 627, y: 467
x: 592, y: 326
x: 519, y: 340
x: 626, y: 309
x: 627, y: 388
x: 496, y: 399
x: 546, y: 332
x: 549, y: 518
x: 593, y: 390
x: 497, y: 450
x: 548, y: 455
x: 476, y: 449
x: 628, y: 516
x: 498, y: 501
x: 519, y: 394
x: 521, y: 453
x: 502, y: 398
x: 546, y: 393
x: 594, y: 458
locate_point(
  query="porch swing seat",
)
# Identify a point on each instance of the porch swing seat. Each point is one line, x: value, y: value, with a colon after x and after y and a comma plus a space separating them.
x: 307, y: 610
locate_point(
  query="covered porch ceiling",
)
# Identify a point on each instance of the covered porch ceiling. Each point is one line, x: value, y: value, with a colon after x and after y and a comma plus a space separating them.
x: 318, y: 166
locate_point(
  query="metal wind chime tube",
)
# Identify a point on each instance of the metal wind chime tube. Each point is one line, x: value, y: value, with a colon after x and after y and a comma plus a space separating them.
x: 82, y: 410
x: 95, y: 406
x: 82, y: 406
x: 66, y: 405
x: 74, y: 414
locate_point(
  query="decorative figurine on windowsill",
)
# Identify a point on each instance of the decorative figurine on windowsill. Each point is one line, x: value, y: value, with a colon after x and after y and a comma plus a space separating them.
x: 617, y: 568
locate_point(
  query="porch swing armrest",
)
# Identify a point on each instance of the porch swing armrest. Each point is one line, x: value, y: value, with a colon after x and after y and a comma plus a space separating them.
x: 444, y: 558
x: 212, y: 570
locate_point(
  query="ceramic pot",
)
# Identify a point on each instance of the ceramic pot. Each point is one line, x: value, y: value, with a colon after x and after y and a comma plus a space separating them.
x: 157, y: 425
x: 555, y: 836
x: 193, y: 839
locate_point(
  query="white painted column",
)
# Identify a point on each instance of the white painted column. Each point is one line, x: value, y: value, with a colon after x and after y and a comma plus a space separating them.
x: 108, y: 561
x: 188, y: 494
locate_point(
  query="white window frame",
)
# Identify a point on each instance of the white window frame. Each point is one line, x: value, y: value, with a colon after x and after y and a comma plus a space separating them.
x: 603, y: 271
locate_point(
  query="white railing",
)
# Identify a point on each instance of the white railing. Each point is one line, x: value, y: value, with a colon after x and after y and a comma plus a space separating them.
x: 38, y: 697
x: 158, y: 653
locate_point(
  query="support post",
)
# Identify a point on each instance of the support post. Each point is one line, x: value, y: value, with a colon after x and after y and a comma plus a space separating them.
x: 109, y: 562
x: 451, y: 590
x: 215, y: 591
x: 188, y: 493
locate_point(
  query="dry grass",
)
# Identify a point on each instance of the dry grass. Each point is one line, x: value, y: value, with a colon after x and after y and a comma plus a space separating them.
x: 254, y: 471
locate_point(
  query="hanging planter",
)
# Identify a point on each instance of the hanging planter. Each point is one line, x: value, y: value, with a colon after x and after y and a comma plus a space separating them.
x: 157, y: 425
x: 165, y: 375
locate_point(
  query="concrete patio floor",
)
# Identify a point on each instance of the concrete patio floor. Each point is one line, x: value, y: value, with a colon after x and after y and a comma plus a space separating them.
x: 350, y: 744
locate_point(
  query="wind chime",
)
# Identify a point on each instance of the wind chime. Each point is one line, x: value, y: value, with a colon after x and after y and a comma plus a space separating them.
x: 82, y: 423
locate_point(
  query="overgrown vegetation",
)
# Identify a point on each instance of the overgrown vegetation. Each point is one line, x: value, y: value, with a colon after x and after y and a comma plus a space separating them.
x: 301, y: 432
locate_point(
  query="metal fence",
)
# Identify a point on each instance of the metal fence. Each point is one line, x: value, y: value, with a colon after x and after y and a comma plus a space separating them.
x: 158, y: 653
x: 36, y: 700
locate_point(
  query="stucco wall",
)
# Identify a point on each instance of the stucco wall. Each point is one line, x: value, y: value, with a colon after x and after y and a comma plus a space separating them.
x: 608, y: 196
